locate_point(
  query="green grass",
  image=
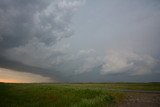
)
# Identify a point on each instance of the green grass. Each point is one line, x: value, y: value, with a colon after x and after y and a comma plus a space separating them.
x: 66, y: 95
x: 119, y: 86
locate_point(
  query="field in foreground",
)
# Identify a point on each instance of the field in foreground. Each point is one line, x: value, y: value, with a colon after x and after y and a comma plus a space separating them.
x: 76, y: 95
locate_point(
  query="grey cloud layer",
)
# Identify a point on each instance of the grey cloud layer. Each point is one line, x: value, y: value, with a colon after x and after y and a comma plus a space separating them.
x: 32, y: 34
x: 22, y: 21
x: 29, y: 30
x: 34, y: 25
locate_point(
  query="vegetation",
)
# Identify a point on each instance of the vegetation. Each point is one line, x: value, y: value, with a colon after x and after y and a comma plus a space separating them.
x: 66, y: 95
x: 153, y: 86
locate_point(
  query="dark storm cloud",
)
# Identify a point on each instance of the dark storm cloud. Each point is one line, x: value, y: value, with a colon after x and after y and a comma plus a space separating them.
x: 32, y: 34
x: 30, y: 30
x: 21, y: 21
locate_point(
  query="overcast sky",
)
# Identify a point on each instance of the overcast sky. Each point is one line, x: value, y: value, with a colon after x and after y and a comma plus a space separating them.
x: 80, y: 40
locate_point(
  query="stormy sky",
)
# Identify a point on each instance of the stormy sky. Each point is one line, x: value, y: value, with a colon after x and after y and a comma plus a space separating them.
x: 80, y: 40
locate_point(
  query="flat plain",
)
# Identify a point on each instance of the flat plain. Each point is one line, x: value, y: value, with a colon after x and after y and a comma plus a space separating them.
x: 79, y: 94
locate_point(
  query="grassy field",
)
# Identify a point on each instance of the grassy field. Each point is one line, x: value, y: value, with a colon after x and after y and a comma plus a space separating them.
x: 67, y: 95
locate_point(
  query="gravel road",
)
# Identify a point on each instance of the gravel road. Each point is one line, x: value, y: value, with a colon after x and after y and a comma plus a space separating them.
x: 141, y: 99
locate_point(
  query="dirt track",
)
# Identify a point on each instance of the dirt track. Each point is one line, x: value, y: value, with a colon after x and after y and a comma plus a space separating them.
x: 141, y: 99
x: 137, y: 91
